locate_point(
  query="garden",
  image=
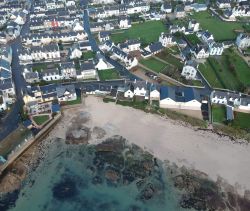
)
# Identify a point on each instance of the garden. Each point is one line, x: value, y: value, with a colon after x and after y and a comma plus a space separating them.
x: 108, y: 74
x: 147, y: 32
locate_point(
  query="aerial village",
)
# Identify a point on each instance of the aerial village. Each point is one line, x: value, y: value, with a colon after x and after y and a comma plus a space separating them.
x: 160, y: 54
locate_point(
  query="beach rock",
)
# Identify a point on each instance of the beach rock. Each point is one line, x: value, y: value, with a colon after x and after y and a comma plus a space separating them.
x: 148, y: 192
x: 98, y: 132
x: 65, y: 189
x: 78, y: 135
x: 96, y: 180
x: 112, y: 175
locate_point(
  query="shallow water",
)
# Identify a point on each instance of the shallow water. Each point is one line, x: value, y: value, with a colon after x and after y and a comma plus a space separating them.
x: 63, y: 181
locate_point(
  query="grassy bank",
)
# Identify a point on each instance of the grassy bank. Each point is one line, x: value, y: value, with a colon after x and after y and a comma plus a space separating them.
x: 229, y: 71
x: 219, y: 113
x: 147, y: 32
x: 153, y: 64
x: 108, y: 74
x: 220, y: 29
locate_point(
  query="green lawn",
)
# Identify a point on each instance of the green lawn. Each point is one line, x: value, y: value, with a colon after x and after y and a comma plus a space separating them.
x: 241, y: 67
x: 39, y: 120
x: 219, y: 113
x: 147, y: 32
x: 39, y: 67
x: 108, y: 74
x: 73, y: 102
x: 220, y: 29
x: 193, y: 39
x: 153, y: 64
x: 229, y: 71
x: 166, y: 56
x: 241, y: 120
x: 208, y: 72
x: 88, y: 55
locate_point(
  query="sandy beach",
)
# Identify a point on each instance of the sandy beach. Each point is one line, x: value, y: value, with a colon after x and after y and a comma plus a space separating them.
x: 168, y: 140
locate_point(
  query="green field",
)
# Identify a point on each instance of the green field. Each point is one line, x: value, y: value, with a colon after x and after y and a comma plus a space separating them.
x: 147, y: 32
x: 219, y: 113
x: 108, y: 74
x: 229, y: 71
x: 40, y: 120
x: 166, y: 56
x: 153, y: 64
x: 220, y: 29
x: 39, y: 67
x: 241, y: 120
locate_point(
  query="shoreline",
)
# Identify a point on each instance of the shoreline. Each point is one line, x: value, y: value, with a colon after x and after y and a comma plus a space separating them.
x: 142, y: 132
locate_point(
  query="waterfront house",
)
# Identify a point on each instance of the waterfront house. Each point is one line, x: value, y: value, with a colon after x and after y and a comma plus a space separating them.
x: 183, y: 98
x: 66, y: 93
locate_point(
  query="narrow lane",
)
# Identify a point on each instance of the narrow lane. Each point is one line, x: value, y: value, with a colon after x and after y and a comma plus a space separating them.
x: 123, y: 71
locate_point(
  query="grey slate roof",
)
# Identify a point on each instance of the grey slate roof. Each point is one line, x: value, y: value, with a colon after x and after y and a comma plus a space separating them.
x: 60, y: 90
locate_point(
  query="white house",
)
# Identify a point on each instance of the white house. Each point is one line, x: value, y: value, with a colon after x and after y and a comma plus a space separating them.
x: 154, y: 92
x: 51, y: 74
x: 154, y: 48
x: 176, y: 28
x: 136, y: 89
x: 167, y: 39
x: 140, y: 89
x: 77, y: 26
x: 207, y: 37
x: 87, y: 71
x: 124, y: 23
x: 20, y: 18
x: 75, y: 52
x: 225, y: 98
x: 180, y: 98
x: 200, y: 52
x: 193, y: 25
x: 166, y: 7
x: 179, y: 11
x: 101, y: 63
x: 130, y: 45
x: 66, y: 93
x: 244, y: 103
x: 68, y: 70
x: 189, y: 70
x: 7, y: 90
x: 216, y: 49
x: 223, y: 4
x: 243, y: 41
x: 103, y: 36
x: 241, y: 11
x: 46, y: 53
x: 3, y: 104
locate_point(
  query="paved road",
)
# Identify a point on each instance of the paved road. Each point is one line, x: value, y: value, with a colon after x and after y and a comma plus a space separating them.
x: 123, y: 71
x: 11, y: 121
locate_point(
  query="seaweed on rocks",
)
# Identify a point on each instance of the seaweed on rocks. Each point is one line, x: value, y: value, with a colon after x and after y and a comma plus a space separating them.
x: 8, y: 200
x: 65, y: 189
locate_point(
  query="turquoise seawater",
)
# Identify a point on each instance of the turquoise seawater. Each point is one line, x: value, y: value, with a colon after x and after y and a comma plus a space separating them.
x: 70, y: 178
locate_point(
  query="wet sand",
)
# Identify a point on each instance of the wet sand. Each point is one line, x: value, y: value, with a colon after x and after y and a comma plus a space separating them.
x: 168, y: 140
